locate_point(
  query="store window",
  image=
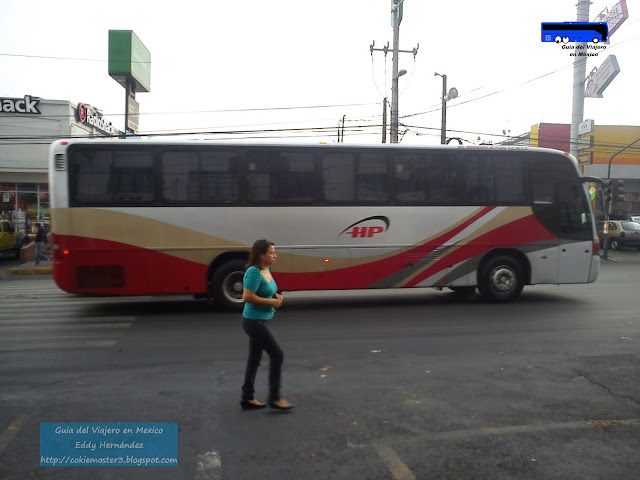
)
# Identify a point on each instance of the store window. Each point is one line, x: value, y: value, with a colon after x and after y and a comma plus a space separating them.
x: 25, y: 204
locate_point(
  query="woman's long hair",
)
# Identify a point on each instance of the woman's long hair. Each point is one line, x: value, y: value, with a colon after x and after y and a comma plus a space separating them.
x: 260, y: 247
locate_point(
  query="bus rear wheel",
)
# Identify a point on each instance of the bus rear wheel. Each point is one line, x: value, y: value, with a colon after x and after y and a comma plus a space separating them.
x: 500, y: 279
x: 227, y: 285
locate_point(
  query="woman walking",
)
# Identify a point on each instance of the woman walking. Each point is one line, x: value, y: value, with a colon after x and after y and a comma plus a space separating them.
x: 261, y: 300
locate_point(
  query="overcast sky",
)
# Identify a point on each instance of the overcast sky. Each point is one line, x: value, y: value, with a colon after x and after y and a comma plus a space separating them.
x: 229, y: 66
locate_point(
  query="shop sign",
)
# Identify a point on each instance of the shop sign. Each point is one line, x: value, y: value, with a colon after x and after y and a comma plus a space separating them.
x: 600, y: 78
x: 88, y: 114
x: 28, y: 104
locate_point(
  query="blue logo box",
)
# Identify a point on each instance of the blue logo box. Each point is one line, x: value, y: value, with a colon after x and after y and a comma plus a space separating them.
x: 108, y: 444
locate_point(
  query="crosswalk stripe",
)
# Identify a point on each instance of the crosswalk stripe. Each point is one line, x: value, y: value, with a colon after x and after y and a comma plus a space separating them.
x: 58, y: 345
x: 44, y: 303
x: 65, y: 319
x: 56, y: 328
x: 37, y: 315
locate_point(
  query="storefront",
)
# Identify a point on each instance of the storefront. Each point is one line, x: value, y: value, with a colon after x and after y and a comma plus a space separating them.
x: 29, y: 124
x: 24, y: 204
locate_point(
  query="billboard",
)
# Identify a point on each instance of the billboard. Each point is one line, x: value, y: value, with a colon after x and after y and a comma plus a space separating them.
x: 600, y: 78
x: 614, y: 17
x: 129, y: 60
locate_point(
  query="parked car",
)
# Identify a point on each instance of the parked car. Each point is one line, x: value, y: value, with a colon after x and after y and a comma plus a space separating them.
x: 621, y: 234
x: 11, y: 240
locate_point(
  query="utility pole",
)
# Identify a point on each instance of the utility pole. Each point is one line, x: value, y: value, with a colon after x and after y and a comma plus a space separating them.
x: 384, y: 120
x: 394, y: 71
x: 396, y: 18
x: 341, y: 134
x: 579, y: 76
x: 443, y: 122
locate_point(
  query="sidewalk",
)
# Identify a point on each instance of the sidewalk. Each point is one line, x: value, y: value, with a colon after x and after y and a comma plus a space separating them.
x: 9, y: 265
x: 30, y: 269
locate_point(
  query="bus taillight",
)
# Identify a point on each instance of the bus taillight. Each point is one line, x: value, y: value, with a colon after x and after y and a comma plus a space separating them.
x: 596, y: 247
x: 59, y: 253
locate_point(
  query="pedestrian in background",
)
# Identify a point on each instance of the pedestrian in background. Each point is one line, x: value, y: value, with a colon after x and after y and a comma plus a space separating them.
x: 261, y: 297
x: 41, y: 239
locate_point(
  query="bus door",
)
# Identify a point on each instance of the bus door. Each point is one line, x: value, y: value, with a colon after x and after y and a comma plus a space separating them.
x: 575, y: 248
x: 562, y: 208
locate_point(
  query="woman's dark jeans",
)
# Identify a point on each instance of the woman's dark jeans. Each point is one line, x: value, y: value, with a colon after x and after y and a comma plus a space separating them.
x: 261, y: 338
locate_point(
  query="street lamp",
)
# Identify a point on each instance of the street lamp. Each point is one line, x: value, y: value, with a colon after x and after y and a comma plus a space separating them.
x: 453, y: 93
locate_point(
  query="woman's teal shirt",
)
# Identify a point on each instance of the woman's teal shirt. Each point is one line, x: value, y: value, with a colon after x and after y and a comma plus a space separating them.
x: 254, y: 281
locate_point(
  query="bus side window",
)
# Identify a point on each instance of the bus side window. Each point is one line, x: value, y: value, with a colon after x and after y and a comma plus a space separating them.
x: 442, y: 180
x: 219, y: 177
x: 573, y: 209
x: 294, y: 182
x: 542, y: 193
x: 338, y: 177
x: 509, y: 180
x: 372, y: 179
x: 91, y: 179
x: 180, y: 176
x: 410, y: 181
x: 479, y: 179
x: 133, y: 175
x: 258, y: 177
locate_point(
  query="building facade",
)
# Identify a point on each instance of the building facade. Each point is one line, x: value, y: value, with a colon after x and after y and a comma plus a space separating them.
x: 28, y: 125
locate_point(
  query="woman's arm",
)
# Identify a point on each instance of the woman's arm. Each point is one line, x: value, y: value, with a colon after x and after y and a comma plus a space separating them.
x: 250, y: 296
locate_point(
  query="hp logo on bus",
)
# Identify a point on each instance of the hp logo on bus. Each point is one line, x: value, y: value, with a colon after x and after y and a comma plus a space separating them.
x: 367, y: 227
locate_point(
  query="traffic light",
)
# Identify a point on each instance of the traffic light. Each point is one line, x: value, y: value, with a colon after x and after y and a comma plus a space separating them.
x: 607, y: 191
x: 618, y: 191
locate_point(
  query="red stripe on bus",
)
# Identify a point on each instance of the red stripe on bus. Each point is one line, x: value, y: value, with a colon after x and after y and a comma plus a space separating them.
x: 145, y: 271
x: 519, y: 232
x: 363, y: 276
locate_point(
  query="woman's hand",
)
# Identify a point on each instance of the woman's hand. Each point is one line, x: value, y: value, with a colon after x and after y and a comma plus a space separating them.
x: 277, y: 300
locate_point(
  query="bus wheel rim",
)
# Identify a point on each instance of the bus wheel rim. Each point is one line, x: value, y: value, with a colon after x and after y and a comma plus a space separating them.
x: 233, y: 287
x: 503, y: 279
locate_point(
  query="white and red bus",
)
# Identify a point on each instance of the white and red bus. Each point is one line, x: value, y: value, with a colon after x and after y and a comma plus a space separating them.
x: 141, y: 217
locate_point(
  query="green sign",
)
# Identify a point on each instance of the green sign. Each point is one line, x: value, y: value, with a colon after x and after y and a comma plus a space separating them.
x: 129, y: 60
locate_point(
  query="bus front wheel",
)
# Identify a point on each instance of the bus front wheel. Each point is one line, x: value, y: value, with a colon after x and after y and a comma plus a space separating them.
x: 227, y: 285
x: 500, y: 279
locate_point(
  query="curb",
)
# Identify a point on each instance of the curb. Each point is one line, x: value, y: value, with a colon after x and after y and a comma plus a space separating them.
x: 28, y: 271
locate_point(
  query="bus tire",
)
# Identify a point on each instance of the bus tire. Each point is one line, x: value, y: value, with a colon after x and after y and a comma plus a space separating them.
x: 501, y: 279
x: 227, y: 285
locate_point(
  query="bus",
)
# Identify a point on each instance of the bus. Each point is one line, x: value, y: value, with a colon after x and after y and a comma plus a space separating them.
x: 148, y: 217
x: 565, y: 32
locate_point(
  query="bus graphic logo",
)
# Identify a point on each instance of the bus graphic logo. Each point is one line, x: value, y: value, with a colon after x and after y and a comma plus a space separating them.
x: 363, y: 231
x: 566, y: 32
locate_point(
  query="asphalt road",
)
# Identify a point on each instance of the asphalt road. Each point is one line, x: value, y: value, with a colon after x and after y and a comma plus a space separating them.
x: 387, y: 384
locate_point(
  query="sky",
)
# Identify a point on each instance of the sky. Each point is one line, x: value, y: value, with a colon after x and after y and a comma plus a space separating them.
x: 292, y: 70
